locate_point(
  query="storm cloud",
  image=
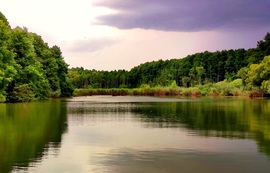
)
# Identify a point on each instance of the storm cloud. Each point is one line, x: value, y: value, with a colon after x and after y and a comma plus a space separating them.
x: 186, y: 15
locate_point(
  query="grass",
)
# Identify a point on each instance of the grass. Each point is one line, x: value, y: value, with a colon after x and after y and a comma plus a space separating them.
x: 224, y: 88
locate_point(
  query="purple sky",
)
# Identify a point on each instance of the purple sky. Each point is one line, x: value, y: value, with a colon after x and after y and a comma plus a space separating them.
x: 187, y: 15
x: 121, y: 34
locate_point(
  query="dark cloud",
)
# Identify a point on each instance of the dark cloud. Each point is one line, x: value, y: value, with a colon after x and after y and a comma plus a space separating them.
x: 187, y: 15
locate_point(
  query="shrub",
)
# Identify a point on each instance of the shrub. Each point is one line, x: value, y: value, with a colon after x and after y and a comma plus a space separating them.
x: 2, y: 98
x: 266, y: 86
x: 22, y: 93
x: 255, y: 93
x: 55, y: 94
x: 214, y: 92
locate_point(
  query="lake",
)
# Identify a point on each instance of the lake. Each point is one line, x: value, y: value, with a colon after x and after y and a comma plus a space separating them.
x: 125, y: 134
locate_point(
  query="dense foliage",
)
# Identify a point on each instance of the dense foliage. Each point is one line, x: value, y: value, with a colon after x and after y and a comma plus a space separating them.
x: 194, y: 70
x: 29, y: 68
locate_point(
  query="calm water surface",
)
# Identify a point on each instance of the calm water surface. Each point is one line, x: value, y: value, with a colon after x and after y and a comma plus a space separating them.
x: 136, y: 134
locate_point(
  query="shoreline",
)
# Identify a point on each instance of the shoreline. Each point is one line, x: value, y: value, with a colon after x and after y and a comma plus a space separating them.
x: 161, y: 92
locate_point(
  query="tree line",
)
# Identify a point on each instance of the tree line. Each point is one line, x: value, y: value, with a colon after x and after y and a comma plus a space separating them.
x: 251, y: 66
x: 29, y: 68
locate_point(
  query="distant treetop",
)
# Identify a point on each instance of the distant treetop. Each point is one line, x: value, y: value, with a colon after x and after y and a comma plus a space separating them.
x: 3, y: 18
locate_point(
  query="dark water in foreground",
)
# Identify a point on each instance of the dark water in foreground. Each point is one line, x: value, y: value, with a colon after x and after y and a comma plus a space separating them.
x: 136, y: 134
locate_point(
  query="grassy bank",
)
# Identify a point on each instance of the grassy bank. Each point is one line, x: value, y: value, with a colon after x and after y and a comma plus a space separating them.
x: 224, y: 88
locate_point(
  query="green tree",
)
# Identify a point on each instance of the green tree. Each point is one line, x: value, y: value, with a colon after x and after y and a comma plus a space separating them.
x: 49, y: 63
x: 259, y: 74
x: 29, y: 69
x: 196, y: 74
x: 200, y: 72
x: 186, y: 81
x: 66, y: 87
x: 264, y: 46
x: 266, y: 86
x: 242, y: 73
x: 4, y: 19
x: 7, y: 63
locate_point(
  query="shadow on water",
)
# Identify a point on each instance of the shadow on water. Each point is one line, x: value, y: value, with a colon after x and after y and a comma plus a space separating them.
x: 227, y: 118
x: 28, y: 131
x: 235, y: 118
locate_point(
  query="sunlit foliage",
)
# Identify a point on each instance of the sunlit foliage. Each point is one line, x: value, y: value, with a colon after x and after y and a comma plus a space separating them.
x: 29, y: 68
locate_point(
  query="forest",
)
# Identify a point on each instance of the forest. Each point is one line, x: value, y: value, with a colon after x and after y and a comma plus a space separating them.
x: 29, y: 68
x: 226, y: 72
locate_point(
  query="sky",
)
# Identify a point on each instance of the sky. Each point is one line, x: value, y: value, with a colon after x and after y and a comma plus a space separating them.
x: 121, y: 34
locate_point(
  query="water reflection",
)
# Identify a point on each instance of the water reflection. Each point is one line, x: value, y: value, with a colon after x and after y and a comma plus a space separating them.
x: 135, y: 134
x: 161, y: 161
x: 28, y: 131
x: 230, y: 118
x: 227, y: 117
x: 201, y: 135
